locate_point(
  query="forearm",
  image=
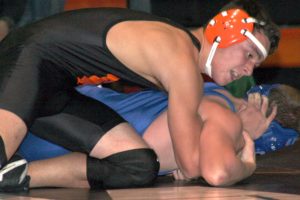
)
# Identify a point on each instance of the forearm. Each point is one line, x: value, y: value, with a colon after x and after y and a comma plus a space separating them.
x: 185, y: 122
x: 224, y: 164
x: 244, y: 162
x: 186, y: 147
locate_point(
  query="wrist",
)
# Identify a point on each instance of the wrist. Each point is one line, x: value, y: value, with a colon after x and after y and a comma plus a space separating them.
x: 250, y: 167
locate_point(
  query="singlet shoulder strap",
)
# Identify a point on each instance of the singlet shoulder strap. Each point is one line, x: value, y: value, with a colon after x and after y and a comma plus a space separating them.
x: 211, y: 89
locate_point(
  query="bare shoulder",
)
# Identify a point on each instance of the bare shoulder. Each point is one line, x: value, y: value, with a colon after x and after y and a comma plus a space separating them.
x: 160, y: 31
x: 219, y: 116
x: 149, y: 35
x: 155, y: 50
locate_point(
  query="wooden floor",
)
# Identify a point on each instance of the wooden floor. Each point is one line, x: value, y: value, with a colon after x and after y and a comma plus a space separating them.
x: 285, y: 186
x: 265, y: 191
x: 277, y: 177
x: 196, y: 192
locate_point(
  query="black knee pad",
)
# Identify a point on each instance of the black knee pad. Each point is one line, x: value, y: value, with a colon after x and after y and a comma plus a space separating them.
x: 132, y: 168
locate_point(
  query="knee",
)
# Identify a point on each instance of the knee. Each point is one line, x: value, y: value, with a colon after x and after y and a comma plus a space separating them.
x: 143, y: 167
x: 133, y: 168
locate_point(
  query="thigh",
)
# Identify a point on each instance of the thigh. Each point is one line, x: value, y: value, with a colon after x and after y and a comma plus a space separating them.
x: 120, y: 138
x: 77, y: 122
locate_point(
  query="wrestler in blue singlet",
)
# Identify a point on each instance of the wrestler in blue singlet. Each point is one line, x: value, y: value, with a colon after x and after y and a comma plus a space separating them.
x: 139, y: 109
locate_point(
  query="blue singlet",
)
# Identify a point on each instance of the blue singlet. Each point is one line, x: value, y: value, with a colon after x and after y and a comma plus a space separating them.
x: 139, y: 109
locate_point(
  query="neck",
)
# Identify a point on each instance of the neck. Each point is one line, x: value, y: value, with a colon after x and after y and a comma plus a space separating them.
x: 198, y: 33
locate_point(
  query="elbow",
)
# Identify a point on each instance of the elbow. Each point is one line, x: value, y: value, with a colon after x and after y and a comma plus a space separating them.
x: 217, y: 177
x: 190, y: 170
x: 191, y: 173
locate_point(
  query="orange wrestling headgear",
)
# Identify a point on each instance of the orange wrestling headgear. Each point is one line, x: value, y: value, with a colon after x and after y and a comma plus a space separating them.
x: 228, y: 28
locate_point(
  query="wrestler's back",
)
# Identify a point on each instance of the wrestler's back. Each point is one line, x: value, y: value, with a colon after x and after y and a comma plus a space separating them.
x: 45, y: 57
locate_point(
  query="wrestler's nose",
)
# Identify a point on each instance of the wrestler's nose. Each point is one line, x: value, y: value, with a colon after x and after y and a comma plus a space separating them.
x: 248, y: 69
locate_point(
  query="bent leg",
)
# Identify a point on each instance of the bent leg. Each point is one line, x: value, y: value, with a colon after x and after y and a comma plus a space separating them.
x: 89, y: 126
x: 127, y: 161
x: 12, y: 132
x: 120, y: 138
x: 133, y: 168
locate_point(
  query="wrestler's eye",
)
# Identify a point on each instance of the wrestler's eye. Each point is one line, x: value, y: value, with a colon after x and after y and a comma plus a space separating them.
x: 249, y: 55
x: 253, y: 57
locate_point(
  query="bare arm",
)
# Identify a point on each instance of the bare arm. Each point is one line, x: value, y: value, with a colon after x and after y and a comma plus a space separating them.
x: 176, y: 67
x: 167, y: 57
x: 221, y: 162
x: 184, y: 83
x: 185, y: 126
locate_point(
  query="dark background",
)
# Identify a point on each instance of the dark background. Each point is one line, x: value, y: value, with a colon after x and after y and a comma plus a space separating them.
x: 193, y: 13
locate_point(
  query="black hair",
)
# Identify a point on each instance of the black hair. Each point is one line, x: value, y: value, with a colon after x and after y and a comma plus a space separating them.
x: 257, y: 11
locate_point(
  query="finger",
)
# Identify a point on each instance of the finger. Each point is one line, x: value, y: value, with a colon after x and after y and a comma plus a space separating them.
x: 251, y: 98
x: 175, y: 175
x: 178, y: 175
x: 247, y: 137
x: 182, y: 177
x: 257, y: 100
x: 264, y: 105
x: 242, y: 107
x: 249, y: 144
x: 272, y: 116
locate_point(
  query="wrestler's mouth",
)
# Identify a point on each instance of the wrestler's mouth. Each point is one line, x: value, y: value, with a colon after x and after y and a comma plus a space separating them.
x: 234, y: 75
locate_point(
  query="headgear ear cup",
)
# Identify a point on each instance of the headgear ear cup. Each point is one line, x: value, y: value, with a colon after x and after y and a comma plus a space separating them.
x: 228, y: 28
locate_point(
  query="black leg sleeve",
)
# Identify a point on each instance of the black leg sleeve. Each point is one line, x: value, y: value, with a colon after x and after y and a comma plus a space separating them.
x: 132, y: 168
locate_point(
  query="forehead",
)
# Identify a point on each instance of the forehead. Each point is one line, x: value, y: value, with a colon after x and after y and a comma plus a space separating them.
x: 248, y: 45
x: 263, y: 39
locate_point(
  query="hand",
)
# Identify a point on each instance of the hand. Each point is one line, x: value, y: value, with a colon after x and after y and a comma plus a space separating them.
x: 178, y: 175
x: 247, y: 154
x: 254, y: 115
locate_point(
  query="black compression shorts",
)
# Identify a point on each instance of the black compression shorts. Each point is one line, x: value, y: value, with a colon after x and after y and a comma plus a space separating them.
x: 76, y: 122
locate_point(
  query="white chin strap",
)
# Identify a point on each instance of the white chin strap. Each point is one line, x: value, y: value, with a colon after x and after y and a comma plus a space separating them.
x: 208, y: 67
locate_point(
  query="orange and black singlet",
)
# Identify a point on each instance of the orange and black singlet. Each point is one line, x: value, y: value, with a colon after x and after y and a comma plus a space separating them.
x: 41, y: 59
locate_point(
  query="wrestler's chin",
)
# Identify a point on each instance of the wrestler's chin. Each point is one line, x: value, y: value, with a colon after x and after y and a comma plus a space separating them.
x: 222, y: 81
